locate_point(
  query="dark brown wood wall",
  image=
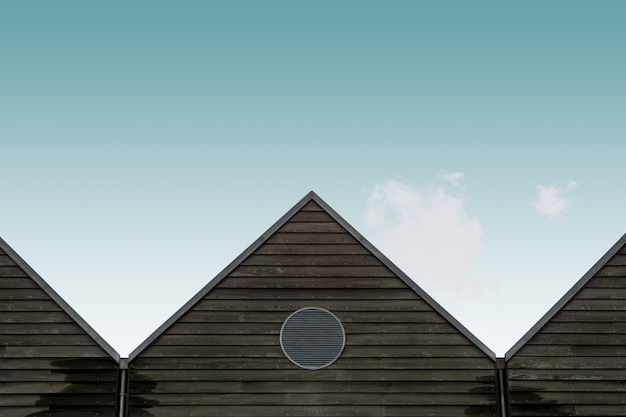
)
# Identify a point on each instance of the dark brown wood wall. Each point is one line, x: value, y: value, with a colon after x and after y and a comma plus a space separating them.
x: 223, y: 357
x: 49, y: 366
x: 576, y: 364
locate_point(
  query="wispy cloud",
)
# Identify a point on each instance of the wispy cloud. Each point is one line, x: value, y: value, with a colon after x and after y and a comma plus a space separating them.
x: 551, y: 201
x: 453, y: 178
x: 426, y: 232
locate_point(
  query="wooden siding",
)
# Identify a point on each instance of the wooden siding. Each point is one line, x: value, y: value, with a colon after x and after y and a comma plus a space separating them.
x: 576, y: 364
x: 222, y: 357
x: 49, y: 366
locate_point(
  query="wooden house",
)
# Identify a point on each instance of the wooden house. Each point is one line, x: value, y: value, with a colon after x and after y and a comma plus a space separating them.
x: 312, y: 320
x: 573, y: 361
x: 51, y: 362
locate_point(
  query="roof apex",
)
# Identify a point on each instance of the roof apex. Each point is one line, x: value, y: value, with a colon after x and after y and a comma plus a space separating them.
x: 312, y: 196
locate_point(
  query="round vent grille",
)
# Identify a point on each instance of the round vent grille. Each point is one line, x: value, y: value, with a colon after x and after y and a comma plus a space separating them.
x: 312, y: 338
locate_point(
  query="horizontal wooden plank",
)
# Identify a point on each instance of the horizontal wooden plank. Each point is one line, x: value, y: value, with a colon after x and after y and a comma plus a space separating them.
x: 579, y: 363
x: 308, y: 227
x: 579, y: 339
x: 319, y: 387
x: 618, y: 272
x: 304, y: 399
x: 5, y: 260
x: 313, y: 271
x: 346, y: 363
x: 53, y: 352
x: 607, y: 282
x: 161, y: 357
x: 311, y: 238
x: 311, y: 206
x: 573, y: 327
x: 602, y: 305
x: 308, y: 261
x: 600, y: 410
x: 470, y: 410
x: 618, y: 260
x: 313, y: 282
x: 12, y: 271
x: 53, y: 375
x: 194, y: 316
x: 312, y: 249
x: 547, y: 410
x: 24, y: 411
x: 40, y: 411
x: 311, y: 216
x: 47, y: 340
x: 210, y: 328
x: 312, y: 294
x: 27, y: 375
x: 320, y: 410
x: 17, y: 283
x: 54, y: 400
x: 29, y: 305
x: 57, y: 387
x: 274, y: 328
x: 590, y: 316
x: 36, y: 317
x: 68, y: 366
x: 568, y: 386
x: 602, y: 294
x: 334, y: 306
x: 547, y: 397
x: 566, y: 374
x: 326, y: 374
x: 571, y: 350
x: 40, y: 328
x: 23, y: 294
x: 406, y: 339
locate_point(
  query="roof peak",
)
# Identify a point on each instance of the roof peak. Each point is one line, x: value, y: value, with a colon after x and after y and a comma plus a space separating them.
x: 312, y: 196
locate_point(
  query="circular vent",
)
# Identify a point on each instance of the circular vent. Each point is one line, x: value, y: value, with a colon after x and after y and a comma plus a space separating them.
x: 312, y: 338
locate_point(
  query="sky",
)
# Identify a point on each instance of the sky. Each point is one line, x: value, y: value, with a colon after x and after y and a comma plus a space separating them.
x: 478, y: 145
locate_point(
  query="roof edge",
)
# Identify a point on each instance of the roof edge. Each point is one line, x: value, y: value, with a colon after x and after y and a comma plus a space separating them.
x: 405, y: 278
x: 312, y: 196
x: 59, y: 300
x: 223, y: 274
x: 567, y: 297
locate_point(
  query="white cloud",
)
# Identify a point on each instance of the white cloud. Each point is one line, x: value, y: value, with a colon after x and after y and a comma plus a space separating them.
x: 550, y: 200
x: 427, y: 233
x: 453, y: 178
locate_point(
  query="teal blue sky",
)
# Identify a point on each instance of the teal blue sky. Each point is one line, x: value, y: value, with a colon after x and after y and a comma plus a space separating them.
x: 146, y: 144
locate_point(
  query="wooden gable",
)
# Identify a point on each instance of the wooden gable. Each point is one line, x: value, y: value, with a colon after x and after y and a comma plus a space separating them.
x: 573, y: 362
x: 220, y: 355
x: 51, y: 362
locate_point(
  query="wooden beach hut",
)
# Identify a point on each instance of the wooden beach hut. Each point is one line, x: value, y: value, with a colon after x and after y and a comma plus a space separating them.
x: 52, y: 363
x: 573, y: 361
x: 312, y: 320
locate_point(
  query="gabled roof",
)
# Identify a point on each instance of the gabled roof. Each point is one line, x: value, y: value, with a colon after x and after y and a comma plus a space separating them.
x: 265, y: 236
x: 58, y: 300
x: 567, y: 297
